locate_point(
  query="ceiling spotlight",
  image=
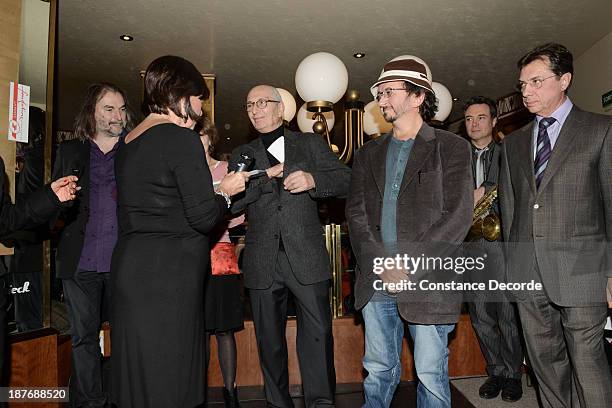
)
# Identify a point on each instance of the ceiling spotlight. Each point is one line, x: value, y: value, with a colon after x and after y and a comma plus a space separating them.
x: 126, y: 37
x: 359, y: 55
x: 455, y: 99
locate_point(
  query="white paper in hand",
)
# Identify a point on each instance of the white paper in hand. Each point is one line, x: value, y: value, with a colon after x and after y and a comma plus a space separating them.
x: 277, y: 149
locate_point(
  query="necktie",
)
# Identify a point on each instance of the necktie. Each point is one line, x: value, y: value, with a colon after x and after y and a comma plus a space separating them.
x: 480, y: 166
x: 543, y: 149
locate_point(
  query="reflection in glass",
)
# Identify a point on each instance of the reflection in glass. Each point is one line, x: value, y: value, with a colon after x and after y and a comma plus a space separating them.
x: 26, y: 279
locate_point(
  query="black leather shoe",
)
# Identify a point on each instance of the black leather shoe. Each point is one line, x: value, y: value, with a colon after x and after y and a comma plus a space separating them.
x: 512, y: 390
x: 231, y: 398
x: 491, y: 388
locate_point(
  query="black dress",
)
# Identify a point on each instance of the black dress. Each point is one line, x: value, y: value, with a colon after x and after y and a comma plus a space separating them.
x: 166, y: 206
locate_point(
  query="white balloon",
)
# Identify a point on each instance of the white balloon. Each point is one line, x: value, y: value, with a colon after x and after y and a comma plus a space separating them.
x: 289, y: 102
x: 321, y: 77
x: 373, y: 120
x: 445, y: 101
x: 305, y: 121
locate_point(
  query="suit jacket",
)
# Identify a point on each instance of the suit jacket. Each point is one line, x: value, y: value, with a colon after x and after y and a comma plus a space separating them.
x: 40, y: 206
x: 72, y: 155
x: 273, y: 213
x: 492, y: 160
x: 435, y: 205
x: 565, y: 225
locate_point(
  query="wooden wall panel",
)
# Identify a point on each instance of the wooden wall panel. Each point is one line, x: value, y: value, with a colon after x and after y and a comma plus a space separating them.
x: 34, y: 363
x: 465, y: 356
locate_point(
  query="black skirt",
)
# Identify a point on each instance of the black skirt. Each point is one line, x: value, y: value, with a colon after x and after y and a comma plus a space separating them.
x: 224, y: 309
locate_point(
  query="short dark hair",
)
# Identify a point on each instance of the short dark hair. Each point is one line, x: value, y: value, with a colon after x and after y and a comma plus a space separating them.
x: 559, y: 58
x: 169, y: 82
x: 85, y: 121
x: 429, y: 107
x: 482, y: 100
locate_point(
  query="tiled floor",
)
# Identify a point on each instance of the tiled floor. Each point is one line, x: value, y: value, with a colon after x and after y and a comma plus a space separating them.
x: 469, y: 389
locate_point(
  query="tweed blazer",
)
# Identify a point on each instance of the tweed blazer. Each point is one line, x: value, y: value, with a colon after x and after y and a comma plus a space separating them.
x: 435, y: 205
x: 274, y: 213
x: 564, y: 226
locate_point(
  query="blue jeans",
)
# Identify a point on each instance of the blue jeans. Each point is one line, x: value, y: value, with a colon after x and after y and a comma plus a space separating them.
x: 384, y: 332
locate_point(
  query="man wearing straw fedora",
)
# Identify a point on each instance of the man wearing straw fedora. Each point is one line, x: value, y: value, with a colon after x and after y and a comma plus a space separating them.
x: 409, y: 188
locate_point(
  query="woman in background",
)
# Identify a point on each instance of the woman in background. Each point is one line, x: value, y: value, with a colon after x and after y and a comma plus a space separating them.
x: 223, y: 311
x: 166, y: 209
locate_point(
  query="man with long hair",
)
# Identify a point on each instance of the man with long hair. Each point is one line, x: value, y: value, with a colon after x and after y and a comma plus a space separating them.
x: 87, y: 240
x: 410, y: 187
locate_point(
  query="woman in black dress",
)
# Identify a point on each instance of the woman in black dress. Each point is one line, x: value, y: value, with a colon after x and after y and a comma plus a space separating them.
x: 166, y: 208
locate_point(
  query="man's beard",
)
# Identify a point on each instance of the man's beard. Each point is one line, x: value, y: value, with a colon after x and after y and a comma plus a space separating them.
x: 110, y: 128
x: 389, y: 117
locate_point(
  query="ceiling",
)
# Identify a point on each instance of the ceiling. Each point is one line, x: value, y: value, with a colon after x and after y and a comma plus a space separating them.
x: 471, y: 46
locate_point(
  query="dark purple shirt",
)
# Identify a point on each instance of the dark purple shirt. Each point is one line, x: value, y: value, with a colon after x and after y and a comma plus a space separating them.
x: 101, y: 229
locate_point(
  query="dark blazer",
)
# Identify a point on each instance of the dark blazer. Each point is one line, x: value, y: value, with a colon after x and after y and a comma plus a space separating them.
x: 272, y: 212
x: 40, y: 206
x: 492, y: 160
x: 72, y: 155
x: 565, y: 225
x: 435, y: 204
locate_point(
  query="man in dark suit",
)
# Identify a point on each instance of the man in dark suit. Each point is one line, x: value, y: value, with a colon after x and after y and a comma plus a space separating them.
x: 285, y: 250
x: 86, y: 242
x: 495, y: 322
x: 556, y: 206
x: 411, y: 193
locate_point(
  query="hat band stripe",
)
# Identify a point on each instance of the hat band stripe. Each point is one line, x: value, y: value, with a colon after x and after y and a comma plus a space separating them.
x: 397, y: 72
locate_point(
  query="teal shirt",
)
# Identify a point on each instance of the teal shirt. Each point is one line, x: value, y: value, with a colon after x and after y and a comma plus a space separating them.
x: 397, y: 157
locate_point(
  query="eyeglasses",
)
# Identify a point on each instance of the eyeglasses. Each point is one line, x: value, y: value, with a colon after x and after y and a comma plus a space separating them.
x: 535, y: 83
x: 387, y: 93
x: 260, y: 103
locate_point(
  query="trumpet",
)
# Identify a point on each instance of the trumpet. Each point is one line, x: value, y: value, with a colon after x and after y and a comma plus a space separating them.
x: 485, y: 223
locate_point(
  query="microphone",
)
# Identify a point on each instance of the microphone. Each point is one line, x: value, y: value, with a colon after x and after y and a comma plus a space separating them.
x: 244, y: 163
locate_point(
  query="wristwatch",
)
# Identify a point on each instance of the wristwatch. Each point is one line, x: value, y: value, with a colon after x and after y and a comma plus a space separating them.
x: 228, y: 200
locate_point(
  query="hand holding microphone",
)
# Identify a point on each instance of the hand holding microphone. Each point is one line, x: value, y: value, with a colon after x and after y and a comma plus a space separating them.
x: 233, y: 183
